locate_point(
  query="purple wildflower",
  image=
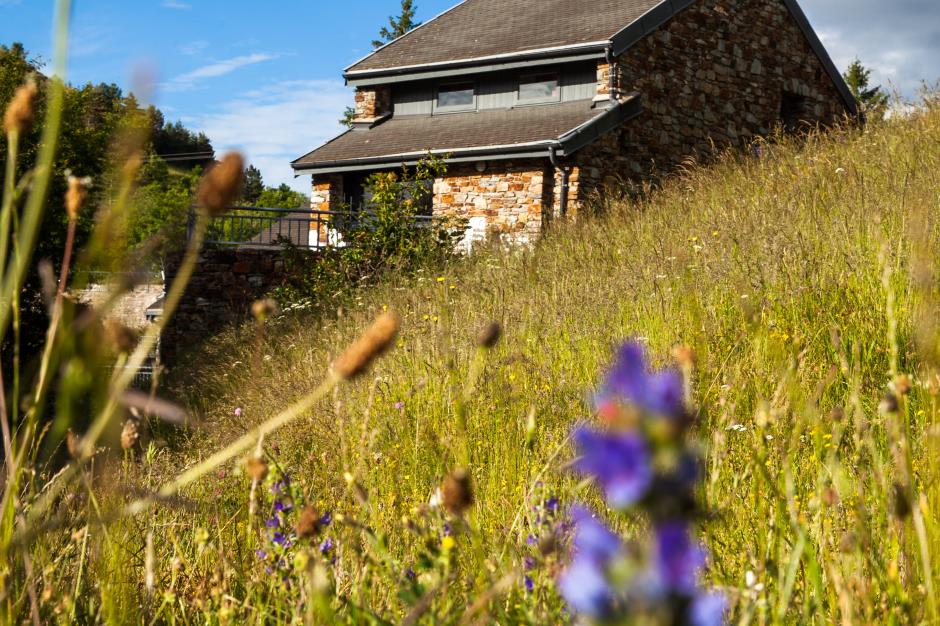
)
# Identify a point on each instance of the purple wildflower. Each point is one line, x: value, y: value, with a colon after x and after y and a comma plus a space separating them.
x: 528, y: 563
x: 529, y: 583
x: 326, y: 519
x: 620, y: 462
x: 410, y: 574
x: 280, y: 539
x: 707, y: 609
x: 447, y: 529
x: 585, y: 588
x: 678, y: 558
x: 261, y: 554
x: 238, y: 411
x: 282, y: 506
x: 551, y: 505
x: 531, y: 540
x: 274, y: 522
x: 399, y: 405
x: 630, y: 379
x: 593, y: 540
x: 326, y: 546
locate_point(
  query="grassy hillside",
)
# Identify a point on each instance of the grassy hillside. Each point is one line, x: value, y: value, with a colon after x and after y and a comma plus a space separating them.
x: 804, y: 283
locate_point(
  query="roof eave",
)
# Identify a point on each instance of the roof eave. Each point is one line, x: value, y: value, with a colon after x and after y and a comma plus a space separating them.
x: 456, y: 67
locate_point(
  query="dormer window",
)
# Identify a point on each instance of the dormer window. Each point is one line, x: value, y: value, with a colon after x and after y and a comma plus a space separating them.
x: 459, y: 96
x: 539, y: 88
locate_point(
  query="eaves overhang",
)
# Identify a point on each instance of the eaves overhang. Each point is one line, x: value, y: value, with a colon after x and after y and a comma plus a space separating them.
x: 567, y: 144
x: 495, y: 63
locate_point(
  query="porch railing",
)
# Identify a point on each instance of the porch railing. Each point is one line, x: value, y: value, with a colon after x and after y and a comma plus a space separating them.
x: 260, y: 227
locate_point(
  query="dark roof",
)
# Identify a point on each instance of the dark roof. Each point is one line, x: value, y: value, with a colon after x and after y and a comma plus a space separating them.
x: 487, y: 28
x: 503, y: 131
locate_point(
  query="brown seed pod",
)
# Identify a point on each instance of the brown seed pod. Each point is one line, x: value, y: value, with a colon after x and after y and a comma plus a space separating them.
x: 19, y: 113
x: 262, y: 310
x: 256, y: 468
x: 684, y: 356
x: 490, y: 335
x: 837, y: 414
x: 902, y: 385
x: 309, y: 523
x: 130, y: 434
x: 457, y: 492
x: 75, y: 197
x: 221, y: 185
x: 372, y: 344
x: 73, y: 443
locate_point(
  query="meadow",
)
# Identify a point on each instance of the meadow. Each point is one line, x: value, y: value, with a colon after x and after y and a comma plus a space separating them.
x: 803, y: 282
x: 794, y: 288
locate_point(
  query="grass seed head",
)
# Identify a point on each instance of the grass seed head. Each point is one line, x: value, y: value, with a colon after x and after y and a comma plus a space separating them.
x: 372, y: 344
x: 490, y: 335
x: 309, y: 523
x: 130, y: 434
x: 262, y: 310
x: 121, y: 338
x: 75, y: 196
x: 221, y: 185
x: 256, y: 468
x: 457, y: 492
x: 20, y: 111
x: 73, y: 443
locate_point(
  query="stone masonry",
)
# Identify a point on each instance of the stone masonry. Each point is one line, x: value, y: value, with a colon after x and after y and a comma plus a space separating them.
x: 372, y: 103
x: 711, y: 78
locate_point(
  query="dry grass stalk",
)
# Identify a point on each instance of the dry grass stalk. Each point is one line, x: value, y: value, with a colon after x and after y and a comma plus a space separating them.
x: 221, y: 185
x: 372, y: 344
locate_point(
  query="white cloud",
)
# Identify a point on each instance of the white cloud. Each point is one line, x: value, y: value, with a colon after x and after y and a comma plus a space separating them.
x: 185, y: 82
x: 275, y: 125
x: 176, y: 4
x: 194, y: 47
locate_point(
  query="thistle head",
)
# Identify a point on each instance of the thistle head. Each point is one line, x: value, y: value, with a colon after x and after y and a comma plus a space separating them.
x: 373, y: 343
x: 221, y: 185
x: 20, y: 111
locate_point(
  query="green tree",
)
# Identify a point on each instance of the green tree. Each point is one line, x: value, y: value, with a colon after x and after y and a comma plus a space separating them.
x: 398, y: 26
x: 872, y: 101
x: 254, y: 185
x: 282, y: 197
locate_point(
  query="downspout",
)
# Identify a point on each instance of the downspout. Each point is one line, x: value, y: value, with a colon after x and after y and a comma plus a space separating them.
x: 563, y: 201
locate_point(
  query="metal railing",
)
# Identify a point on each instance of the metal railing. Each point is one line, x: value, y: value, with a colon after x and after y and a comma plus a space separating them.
x: 259, y: 227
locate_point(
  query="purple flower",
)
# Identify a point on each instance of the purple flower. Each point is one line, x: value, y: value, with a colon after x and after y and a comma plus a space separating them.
x: 620, y: 462
x: 410, y: 573
x: 447, y: 529
x: 326, y: 546
x: 326, y: 519
x: 630, y: 379
x: 551, y: 505
x: 707, y: 609
x: 238, y: 411
x: 261, y: 554
x: 593, y: 540
x: 678, y: 558
x: 531, y: 540
x: 399, y: 405
x: 529, y: 583
x: 585, y: 588
x: 282, y: 506
x: 274, y: 522
x: 528, y: 563
x: 280, y: 539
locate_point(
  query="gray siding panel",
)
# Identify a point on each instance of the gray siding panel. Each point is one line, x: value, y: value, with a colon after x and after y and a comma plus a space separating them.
x: 495, y: 92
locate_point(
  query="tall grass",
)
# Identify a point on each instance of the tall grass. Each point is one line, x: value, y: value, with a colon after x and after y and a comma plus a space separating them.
x: 804, y: 283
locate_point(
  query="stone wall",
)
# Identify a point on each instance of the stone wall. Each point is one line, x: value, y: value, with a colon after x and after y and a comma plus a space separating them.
x: 223, y: 287
x: 130, y: 307
x: 504, y: 201
x: 714, y: 76
x: 373, y: 102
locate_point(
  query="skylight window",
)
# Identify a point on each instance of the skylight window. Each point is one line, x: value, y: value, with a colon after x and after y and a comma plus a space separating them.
x: 535, y: 88
x: 456, y: 97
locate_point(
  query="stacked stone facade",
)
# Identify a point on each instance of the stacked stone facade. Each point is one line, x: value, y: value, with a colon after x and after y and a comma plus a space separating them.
x: 373, y: 103
x: 711, y: 78
x: 507, y: 200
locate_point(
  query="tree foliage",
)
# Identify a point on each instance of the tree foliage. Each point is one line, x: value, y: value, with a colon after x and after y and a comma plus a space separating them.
x: 872, y: 101
x: 398, y: 26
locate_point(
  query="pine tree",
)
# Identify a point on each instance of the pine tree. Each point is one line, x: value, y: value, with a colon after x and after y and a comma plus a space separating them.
x: 254, y: 185
x: 398, y: 26
x: 872, y: 101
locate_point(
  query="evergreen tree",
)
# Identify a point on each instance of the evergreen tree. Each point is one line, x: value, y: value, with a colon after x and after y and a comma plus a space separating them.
x: 398, y: 26
x: 254, y: 185
x: 872, y: 101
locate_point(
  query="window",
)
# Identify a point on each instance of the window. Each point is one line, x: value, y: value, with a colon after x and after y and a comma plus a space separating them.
x: 792, y: 111
x: 535, y: 88
x: 456, y: 97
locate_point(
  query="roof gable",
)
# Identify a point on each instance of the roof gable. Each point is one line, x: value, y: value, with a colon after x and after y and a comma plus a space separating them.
x: 480, y: 29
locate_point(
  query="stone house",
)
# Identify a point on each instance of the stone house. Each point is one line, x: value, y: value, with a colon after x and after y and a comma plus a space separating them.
x: 537, y: 105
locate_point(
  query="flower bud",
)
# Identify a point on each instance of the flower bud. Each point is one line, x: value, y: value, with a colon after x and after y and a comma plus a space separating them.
x: 130, y: 434
x: 75, y: 196
x: 457, y: 492
x: 19, y: 113
x: 221, y: 185
x: 372, y: 344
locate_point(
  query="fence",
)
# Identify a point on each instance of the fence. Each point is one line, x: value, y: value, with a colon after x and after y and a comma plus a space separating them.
x: 260, y: 228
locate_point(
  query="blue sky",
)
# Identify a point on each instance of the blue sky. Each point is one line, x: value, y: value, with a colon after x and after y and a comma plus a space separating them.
x: 265, y: 76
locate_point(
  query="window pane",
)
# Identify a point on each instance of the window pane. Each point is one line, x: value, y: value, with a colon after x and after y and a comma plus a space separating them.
x: 455, y: 95
x: 539, y: 87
